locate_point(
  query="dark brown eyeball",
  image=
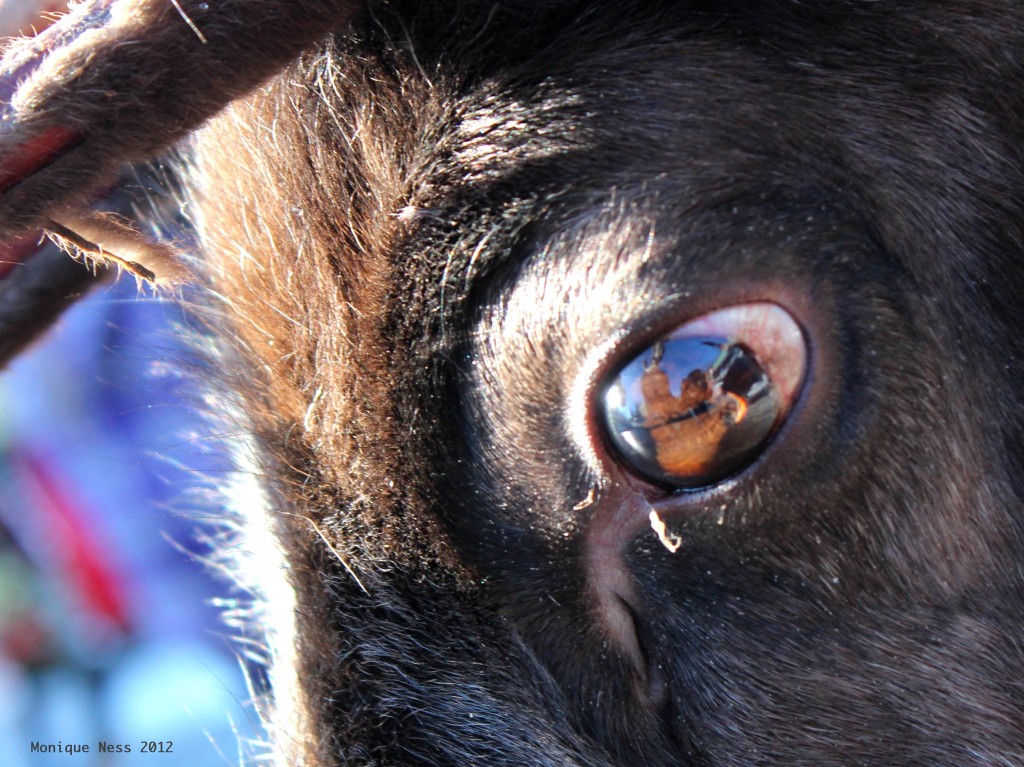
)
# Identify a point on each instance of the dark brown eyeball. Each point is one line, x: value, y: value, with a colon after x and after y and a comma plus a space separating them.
x: 699, y: 404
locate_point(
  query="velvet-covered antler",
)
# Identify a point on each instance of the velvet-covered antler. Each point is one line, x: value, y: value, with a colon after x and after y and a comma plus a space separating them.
x: 115, y: 82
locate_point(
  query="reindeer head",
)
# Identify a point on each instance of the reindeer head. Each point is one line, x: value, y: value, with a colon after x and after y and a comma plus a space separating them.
x: 635, y: 384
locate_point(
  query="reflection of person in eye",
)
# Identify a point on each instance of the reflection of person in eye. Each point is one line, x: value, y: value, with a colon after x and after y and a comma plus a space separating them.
x: 686, y: 429
x: 695, y: 389
x: 660, y: 406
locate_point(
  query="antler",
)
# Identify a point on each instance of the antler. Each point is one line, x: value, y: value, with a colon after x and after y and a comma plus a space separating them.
x: 115, y: 82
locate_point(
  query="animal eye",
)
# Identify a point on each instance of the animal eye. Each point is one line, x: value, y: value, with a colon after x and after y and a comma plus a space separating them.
x: 702, y: 402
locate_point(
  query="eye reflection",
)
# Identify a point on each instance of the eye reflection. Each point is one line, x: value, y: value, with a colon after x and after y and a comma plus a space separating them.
x: 691, y: 410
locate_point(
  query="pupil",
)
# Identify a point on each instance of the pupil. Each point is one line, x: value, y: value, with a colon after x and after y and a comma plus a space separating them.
x: 689, y: 411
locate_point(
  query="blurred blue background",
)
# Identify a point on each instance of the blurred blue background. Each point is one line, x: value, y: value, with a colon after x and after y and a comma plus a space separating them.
x: 107, y: 627
x: 107, y: 631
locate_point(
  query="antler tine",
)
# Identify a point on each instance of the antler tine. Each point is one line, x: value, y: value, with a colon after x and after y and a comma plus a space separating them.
x: 33, y: 295
x: 117, y: 81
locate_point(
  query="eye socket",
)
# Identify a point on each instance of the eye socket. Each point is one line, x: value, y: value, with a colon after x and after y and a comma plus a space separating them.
x: 702, y: 402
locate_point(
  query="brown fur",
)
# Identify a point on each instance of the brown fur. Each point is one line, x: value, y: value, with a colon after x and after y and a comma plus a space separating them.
x: 402, y: 298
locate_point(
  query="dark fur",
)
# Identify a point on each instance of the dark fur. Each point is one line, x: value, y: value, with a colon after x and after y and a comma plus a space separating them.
x: 425, y: 231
